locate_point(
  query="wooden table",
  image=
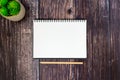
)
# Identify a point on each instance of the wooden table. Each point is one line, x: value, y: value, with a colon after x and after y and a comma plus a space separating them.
x: 103, y: 39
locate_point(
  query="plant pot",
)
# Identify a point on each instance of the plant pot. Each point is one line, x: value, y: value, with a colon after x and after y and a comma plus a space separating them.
x: 19, y: 16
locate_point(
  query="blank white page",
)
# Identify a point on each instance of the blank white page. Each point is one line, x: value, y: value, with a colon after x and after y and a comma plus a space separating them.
x: 59, y: 39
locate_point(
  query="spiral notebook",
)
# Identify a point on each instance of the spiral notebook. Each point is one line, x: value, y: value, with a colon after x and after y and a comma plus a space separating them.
x: 59, y: 39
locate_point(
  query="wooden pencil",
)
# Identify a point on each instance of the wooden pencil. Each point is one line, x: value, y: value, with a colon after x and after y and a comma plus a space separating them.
x: 61, y: 62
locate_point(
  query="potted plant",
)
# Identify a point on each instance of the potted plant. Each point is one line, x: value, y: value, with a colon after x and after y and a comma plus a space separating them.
x: 12, y: 10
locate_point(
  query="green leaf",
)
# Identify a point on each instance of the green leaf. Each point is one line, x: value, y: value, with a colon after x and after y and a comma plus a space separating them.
x: 4, y: 11
x: 13, y: 7
x: 3, y: 2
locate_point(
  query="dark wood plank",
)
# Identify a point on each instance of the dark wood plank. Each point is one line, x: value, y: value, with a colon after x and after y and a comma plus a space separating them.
x: 16, y: 61
x: 97, y: 14
x: 36, y: 67
x: 56, y: 9
x: 7, y: 46
x: 115, y: 39
x: 25, y: 63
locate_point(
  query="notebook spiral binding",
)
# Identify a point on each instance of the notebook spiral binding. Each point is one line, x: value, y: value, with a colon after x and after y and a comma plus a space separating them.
x: 59, y: 20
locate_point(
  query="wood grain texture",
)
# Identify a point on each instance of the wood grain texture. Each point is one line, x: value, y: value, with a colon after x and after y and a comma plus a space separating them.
x: 98, y: 40
x: 56, y: 9
x: 16, y: 45
x: 103, y: 39
x: 114, y: 39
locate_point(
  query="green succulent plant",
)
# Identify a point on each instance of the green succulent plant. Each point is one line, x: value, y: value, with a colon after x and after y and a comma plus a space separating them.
x: 9, y: 7
x: 4, y: 11
x: 13, y: 7
x: 3, y: 2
